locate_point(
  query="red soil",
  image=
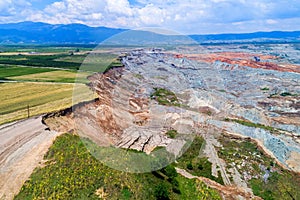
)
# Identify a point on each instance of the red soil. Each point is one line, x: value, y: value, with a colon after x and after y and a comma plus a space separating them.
x: 243, y: 59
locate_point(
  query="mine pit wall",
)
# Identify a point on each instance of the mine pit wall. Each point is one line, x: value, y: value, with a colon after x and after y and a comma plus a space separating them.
x: 93, y: 117
x: 67, y: 111
x: 115, y: 122
x: 52, y: 119
x: 275, y: 146
x: 99, y: 114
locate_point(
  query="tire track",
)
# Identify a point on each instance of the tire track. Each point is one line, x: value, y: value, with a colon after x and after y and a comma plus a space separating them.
x: 16, y: 145
x: 23, y: 145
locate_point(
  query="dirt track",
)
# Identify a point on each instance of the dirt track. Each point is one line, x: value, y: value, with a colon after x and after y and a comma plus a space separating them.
x: 22, y: 147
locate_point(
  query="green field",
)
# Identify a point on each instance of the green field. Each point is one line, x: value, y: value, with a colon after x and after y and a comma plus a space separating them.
x: 7, y: 71
x: 40, y: 97
x: 44, y: 80
x: 39, y: 61
x: 71, y: 172
x: 58, y: 76
x: 45, y: 48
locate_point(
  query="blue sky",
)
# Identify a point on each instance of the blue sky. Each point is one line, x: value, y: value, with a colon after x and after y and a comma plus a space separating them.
x: 183, y: 16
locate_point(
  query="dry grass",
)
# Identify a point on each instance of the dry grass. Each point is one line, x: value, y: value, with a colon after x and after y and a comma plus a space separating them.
x: 54, y: 76
x: 41, y: 98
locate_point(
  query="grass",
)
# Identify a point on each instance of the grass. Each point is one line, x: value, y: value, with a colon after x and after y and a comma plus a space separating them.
x: 7, y: 71
x: 123, y: 158
x: 39, y: 69
x: 265, y: 89
x: 241, y: 151
x: 41, y: 98
x: 71, y: 172
x: 280, y: 185
x: 247, y: 158
x: 73, y: 59
x: 285, y: 94
x: 165, y: 97
x: 55, y: 76
x: 172, y: 134
x: 39, y: 61
x: 196, y: 165
x: 251, y: 124
x: 45, y: 48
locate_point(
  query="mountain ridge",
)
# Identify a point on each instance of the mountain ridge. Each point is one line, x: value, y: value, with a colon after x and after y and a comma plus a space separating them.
x: 42, y: 33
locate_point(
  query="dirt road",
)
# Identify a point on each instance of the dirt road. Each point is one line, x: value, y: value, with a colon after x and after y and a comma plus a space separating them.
x: 22, y: 147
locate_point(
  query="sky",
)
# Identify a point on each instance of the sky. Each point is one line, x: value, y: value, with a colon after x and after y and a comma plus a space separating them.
x: 182, y: 16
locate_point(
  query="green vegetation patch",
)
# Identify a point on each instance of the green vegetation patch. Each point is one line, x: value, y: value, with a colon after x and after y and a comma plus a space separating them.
x: 285, y: 94
x: 100, y: 62
x: 58, y: 76
x: 17, y: 96
x: 251, y: 124
x: 116, y: 62
x: 123, y: 159
x: 265, y: 89
x: 46, y: 48
x: 165, y: 97
x: 280, y: 185
x: 195, y: 164
x: 239, y: 152
x: 40, y: 97
x: 7, y: 71
x: 248, y: 158
x: 72, y: 58
x: 71, y: 172
x: 172, y: 134
x: 39, y: 61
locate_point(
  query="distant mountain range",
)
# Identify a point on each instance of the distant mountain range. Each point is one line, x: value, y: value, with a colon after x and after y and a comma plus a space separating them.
x: 42, y: 33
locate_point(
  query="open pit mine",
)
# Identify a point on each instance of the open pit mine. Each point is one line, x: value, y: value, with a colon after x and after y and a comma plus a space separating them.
x: 249, y: 96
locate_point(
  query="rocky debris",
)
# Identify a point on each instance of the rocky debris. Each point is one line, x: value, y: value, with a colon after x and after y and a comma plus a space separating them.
x: 293, y: 161
x: 277, y: 145
x: 227, y: 192
x: 212, y: 155
x: 208, y: 88
x: 143, y: 139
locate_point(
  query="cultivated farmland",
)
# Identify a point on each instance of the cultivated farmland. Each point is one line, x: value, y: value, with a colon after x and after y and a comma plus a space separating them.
x: 40, y: 97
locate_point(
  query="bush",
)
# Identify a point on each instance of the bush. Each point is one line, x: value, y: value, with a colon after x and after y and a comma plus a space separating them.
x: 190, y: 166
x: 200, y: 166
x: 170, y: 172
x: 161, y: 192
x: 172, y: 134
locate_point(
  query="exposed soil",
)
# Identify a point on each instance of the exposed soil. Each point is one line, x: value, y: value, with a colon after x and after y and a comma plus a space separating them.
x: 22, y: 147
x: 244, y: 59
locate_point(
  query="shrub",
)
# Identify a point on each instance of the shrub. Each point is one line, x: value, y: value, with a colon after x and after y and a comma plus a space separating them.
x: 190, y: 166
x: 161, y: 192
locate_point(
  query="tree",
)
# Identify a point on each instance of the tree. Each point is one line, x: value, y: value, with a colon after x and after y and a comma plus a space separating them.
x: 170, y: 172
x: 162, y: 192
x: 190, y: 166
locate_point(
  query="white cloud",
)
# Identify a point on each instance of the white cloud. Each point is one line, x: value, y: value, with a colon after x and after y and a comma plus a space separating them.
x: 12, y: 7
x: 151, y: 15
x: 192, y: 16
x: 55, y: 7
x: 119, y: 7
